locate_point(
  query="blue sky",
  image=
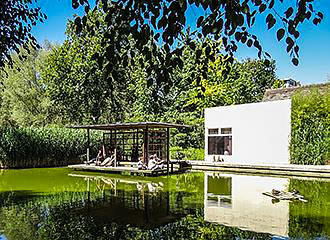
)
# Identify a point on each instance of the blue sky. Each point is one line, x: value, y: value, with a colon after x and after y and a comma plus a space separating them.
x: 314, y: 41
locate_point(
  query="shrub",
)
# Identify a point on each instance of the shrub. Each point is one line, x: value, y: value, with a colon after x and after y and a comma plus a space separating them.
x: 310, y: 128
x: 178, y: 153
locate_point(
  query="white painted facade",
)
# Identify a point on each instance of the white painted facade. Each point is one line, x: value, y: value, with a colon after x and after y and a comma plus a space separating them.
x: 259, y: 132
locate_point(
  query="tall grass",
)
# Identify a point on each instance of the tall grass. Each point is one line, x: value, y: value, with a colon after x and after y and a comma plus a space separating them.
x: 310, y: 128
x: 42, y: 147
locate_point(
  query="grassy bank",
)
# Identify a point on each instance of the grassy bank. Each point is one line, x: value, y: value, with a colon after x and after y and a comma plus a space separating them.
x: 310, y: 128
x: 42, y: 147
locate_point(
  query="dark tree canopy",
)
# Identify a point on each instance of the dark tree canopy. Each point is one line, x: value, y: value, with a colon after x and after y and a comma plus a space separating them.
x: 16, y: 20
x: 163, y: 21
x: 155, y: 23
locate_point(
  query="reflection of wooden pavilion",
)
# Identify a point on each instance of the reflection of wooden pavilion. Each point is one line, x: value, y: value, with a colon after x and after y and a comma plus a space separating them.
x: 134, y: 140
x: 140, y: 203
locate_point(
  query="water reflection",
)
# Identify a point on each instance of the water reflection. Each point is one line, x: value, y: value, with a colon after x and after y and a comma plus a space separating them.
x: 71, y: 205
x: 128, y: 201
x: 237, y: 201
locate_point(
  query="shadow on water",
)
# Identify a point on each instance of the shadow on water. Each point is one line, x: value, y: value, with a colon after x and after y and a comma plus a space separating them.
x: 17, y: 196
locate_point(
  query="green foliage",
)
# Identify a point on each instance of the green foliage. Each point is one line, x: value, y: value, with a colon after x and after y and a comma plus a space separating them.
x: 179, y: 153
x: 16, y: 20
x: 83, y: 89
x: 163, y: 22
x: 310, y: 128
x: 23, y: 100
x: 42, y: 147
x: 69, y: 84
x: 246, y: 82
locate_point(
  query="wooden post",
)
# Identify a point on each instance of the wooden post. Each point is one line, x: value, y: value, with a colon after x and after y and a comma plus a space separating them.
x: 115, y: 152
x: 111, y: 141
x: 168, y: 149
x: 88, y: 144
x: 146, y: 146
x: 88, y: 191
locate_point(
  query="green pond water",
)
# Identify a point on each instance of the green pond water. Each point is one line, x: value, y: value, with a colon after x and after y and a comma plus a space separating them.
x: 58, y: 203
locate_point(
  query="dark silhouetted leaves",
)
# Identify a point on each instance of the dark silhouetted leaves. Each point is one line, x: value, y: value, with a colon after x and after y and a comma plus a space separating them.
x: 262, y: 8
x: 249, y: 43
x: 270, y: 20
x: 288, y: 12
x: 280, y: 34
x: 271, y: 4
x: 75, y: 4
x: 16, y: 20
x: 267, y: 62
x: 199, y: 21
x: 295, y: 61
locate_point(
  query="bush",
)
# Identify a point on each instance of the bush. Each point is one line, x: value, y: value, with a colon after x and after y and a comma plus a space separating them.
x: 178, y: 153
x: 43, y: 147
x: 310, y: 128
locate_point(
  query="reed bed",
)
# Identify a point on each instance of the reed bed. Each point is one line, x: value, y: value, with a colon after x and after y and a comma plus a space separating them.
x: 310, y: 128
x: 26, y: 147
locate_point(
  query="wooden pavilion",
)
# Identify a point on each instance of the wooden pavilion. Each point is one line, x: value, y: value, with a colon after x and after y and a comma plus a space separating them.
x: 131, y: 142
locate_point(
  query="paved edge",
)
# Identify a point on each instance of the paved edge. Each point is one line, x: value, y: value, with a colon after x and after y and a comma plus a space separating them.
x: 280, y: 169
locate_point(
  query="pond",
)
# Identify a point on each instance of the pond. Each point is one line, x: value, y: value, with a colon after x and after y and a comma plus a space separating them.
x: 58, y: 203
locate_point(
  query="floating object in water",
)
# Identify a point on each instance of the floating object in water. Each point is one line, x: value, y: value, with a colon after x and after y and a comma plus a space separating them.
x: 283, y: 195
x: 276, y: 192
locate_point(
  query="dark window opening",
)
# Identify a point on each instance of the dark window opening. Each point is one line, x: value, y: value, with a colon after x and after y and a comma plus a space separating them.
x: 220, y: 145
x: 213, y: 131
x: 225, y: 130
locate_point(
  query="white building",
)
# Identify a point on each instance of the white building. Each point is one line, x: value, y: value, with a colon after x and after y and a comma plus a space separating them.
x: 255, y: 133
x: 289, y: 82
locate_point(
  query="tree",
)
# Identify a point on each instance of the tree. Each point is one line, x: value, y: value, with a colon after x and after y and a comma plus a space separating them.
x: 164, y: 21
x: 245, y: 82
x: 23, y: 100
x: 81, y: 91
x: 16, y: 20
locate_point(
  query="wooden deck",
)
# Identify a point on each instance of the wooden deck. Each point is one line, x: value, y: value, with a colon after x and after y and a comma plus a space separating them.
x: 124, y: 169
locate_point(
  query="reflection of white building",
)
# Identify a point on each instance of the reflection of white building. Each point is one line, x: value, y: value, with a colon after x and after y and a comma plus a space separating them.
x: 248, y: 133
x: 237, y: 201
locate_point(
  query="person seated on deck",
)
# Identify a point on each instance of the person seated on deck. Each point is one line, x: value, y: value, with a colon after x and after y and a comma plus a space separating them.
x: 99, y: 158
x: 155, y: 163
x: 109, y: 159
x: 141, y: 165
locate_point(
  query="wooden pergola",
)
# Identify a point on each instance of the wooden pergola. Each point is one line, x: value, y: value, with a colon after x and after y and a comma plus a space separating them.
x: 135, y: 140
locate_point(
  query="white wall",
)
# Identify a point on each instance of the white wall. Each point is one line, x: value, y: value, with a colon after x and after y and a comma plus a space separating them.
x: 260, y: 131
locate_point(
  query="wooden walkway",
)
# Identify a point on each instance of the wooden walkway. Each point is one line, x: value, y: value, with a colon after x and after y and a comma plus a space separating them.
x: 124, y: 169
x: 319, y: 171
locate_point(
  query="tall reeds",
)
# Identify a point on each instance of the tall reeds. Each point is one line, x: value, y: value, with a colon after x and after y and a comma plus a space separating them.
x: 310, y: 128
x: 43, y: 147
